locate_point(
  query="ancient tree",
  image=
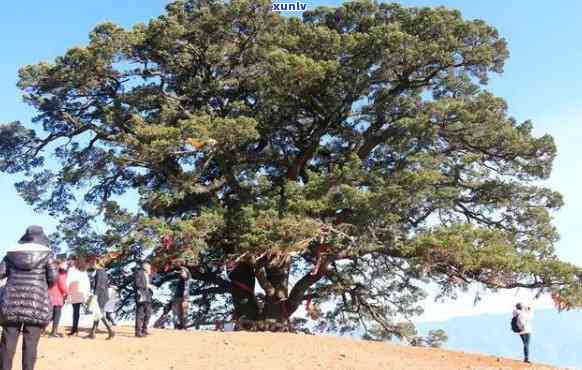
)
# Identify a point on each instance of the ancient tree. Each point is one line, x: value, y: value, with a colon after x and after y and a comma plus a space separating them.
x: 343, y: 160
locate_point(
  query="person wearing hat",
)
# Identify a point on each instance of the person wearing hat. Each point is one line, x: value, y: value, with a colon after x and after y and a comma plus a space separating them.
x: 25, y: 305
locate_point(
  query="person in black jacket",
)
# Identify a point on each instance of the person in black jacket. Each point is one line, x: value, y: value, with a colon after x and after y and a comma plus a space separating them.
x: 25, y: 306
x: 100, y: 291
x: 144, y: 297
x: 181, y: 299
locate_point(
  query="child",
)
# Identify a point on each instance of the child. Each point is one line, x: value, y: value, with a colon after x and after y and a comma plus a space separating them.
x: 111, y: 305
x: 57, y: 294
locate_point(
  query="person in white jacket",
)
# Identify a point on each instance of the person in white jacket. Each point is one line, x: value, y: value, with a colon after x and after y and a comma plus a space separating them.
x: 79, y: 290
x: 524, y: 317
x: 111, y: 305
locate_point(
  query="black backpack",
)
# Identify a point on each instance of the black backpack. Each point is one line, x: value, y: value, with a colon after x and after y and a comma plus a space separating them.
x: 516, y: 325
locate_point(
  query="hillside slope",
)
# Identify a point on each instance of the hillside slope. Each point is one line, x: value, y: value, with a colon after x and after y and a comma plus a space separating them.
x: 172, y: 350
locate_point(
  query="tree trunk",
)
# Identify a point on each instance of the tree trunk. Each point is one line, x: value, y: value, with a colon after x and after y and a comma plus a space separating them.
x: 246, y: 307
x: 276, y: 272
x: 271, y: 312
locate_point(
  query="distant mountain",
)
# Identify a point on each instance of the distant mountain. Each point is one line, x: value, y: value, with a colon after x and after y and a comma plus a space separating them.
x: 556, y: 339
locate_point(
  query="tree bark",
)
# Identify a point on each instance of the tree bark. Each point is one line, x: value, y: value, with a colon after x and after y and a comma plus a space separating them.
x: 271, y: 312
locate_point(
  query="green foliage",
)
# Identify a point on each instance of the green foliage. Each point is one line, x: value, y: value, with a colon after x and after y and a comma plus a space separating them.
x: 365, y: 129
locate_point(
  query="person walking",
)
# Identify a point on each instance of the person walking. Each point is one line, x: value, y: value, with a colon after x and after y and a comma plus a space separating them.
x: 181, y: 299
x: 111, y: 305
x: 79, y: 288
x: 57, y: 294
x: 100, y: 291
x: 144, y: 297
x: 523, y: 315
x: 25, y: 305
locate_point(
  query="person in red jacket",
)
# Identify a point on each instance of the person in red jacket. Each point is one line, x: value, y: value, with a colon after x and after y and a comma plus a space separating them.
x: 57, y: 295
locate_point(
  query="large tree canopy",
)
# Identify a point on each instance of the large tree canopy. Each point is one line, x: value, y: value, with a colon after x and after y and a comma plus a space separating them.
x: 349, y: 157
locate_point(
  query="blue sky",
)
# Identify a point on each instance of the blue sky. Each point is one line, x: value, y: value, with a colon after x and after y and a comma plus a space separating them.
x: 541, y: 82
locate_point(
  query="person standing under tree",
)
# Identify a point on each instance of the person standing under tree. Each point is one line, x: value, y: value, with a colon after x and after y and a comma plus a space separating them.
x: 111, y: 305
x: 25, y: 305
x: 100, y: 291
x: 144, y: 298
x: 181, y: 300
x: 79, y: 288
x: 57, y: 294
x: 524, y: 315
x: 183, y: 296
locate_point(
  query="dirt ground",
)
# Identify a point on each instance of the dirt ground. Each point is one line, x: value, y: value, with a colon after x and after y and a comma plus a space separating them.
x: 172, y: 350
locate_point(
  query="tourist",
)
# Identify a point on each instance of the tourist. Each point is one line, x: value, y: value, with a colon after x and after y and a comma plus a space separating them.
x: 524, y: 315
x: 79, y: 288
x: 25, y: 305
x: 111, y: 305
x: 144, y: 297
x: 181, y: 299
x: 57, y: 294
x: 100, y: 291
